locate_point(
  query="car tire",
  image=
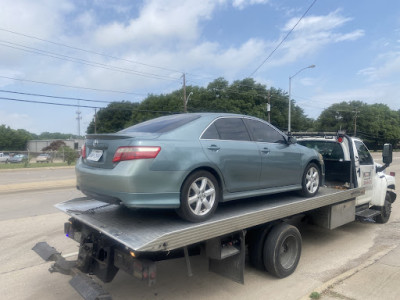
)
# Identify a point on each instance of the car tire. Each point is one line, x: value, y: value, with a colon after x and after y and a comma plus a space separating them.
x: 199, y: 197
x: 311, y: 180
x: 282, y: 250
x: 385, y: 211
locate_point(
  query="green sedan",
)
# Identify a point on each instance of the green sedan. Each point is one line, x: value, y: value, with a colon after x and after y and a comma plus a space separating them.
x: 191, y: 162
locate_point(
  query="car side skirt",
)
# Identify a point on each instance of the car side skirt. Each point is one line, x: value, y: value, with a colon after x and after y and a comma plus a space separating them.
x: 254, y: 193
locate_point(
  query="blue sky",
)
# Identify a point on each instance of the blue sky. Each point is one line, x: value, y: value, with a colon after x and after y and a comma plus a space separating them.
x: 149, y: 44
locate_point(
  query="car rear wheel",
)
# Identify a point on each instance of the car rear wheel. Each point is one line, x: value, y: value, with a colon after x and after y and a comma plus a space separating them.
x: 311, y: 180
x: 199, y: 197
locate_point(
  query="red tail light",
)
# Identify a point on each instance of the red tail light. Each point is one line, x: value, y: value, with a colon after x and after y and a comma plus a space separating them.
x: 137, y: 152
x: 393, y: 174
x: 340, y: 139
x: 83, y: 151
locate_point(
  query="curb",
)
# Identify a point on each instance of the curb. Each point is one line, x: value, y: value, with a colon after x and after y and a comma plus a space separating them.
x: 370, y: 261
x: 33, y: 186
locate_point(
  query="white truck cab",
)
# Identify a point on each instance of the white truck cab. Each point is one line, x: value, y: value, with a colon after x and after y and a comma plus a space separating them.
x: 349, y: 163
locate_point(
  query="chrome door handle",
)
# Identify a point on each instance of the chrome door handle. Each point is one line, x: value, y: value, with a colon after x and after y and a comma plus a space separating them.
x: 213, y: 148
x: 265, y: 150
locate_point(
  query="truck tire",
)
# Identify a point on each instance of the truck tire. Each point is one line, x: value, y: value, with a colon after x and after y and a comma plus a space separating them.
x: 199, y: 197
x: 311, y: 180
x: 256, y: 239
x: 385, y: 211
x: 282, y: 250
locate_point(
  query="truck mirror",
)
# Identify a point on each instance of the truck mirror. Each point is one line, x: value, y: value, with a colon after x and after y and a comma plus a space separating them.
x: 387, y: 154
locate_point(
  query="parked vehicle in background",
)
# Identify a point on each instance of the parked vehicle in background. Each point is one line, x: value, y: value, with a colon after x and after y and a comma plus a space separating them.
x: 18, y: 158
x: 44, y: 158
x: 4, y: 158
x: 190, y: 162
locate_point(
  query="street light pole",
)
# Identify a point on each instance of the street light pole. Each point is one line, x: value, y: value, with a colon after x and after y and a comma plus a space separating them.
x: 290, y: 94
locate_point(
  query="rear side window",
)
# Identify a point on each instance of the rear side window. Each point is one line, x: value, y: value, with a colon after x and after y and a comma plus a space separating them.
x: 162, y: 124
x: 232, y: 129
x: 328, y: 150
x: 262, y: 132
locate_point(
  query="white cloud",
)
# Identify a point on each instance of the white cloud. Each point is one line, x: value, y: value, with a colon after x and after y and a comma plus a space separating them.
x: 313, y: 33
x: 241, y: 4
x: 385, y: 66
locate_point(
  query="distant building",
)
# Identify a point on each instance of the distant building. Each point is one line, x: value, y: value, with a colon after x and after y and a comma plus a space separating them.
x: 38, y: 145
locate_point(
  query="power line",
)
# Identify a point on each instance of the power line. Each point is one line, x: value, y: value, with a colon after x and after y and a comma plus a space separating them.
x: 72, y: 86
x: 82, y: 61
x: 57, y: 97
x: 283, y: 40
x: 84, y: 106
x: 88, y: 51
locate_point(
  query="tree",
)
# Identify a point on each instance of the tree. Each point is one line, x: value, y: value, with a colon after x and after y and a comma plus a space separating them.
x: 375, y: 123
x: 11, y: 139
x: 113, y: 118
x: 54, y: 146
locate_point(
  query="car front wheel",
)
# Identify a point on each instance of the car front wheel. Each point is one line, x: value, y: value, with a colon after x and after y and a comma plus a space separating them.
x: 199, y: 197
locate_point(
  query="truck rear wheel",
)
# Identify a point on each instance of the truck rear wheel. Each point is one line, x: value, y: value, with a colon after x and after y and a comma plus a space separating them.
x: 282, y: 250
x: 385, y: 211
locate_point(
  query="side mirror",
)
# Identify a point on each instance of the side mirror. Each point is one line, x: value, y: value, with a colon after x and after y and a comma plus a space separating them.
x: 291, y: 140
x: 387, y: 154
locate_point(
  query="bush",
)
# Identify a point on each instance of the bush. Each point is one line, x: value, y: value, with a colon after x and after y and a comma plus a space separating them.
x: 69, y: 155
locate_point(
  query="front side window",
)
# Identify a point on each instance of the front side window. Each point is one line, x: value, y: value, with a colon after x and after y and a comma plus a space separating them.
x: 232, y: 129
x: 364, y: 156
x: 262, y: 132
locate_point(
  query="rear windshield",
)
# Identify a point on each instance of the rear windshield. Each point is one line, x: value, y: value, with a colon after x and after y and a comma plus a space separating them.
x: 329, y: 150
x: 162, y: 124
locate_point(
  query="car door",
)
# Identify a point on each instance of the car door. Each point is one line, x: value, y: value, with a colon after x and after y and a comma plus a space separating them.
x: 365, y: 171
x: 281, y: 162
x: 228, y: 145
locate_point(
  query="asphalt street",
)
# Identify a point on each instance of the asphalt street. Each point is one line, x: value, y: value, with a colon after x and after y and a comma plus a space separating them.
x: 355, y: 261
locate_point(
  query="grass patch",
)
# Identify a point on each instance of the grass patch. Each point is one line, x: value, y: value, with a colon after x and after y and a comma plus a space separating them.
x: 9, y: 166
x: 315, y: 295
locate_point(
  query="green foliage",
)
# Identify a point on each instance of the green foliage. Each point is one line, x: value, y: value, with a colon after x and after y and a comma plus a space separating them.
x: 376, y: 124
x: 113, y: 118
x: 242, y: 97
x: 69, y: 155
x: 54, y: 136
x: 54, y: 146
x: 11, y: 139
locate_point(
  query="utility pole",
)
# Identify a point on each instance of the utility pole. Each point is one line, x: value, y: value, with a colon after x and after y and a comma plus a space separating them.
x: 79, y: 118
x: 355, y: 121
x: 95, y: 120
x: 184, y: 93
x: 269, y: 105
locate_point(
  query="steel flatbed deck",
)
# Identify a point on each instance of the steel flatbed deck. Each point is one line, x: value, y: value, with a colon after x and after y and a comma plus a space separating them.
x: 161, y: 230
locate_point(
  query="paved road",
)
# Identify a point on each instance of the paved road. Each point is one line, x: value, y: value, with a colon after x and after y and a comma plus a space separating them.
x: 28, y: 217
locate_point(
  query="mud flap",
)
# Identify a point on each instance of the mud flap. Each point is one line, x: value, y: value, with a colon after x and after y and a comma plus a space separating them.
x: 228, y: 258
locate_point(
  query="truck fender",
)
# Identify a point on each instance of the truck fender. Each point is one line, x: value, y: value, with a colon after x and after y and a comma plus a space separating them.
x: 380, y: 189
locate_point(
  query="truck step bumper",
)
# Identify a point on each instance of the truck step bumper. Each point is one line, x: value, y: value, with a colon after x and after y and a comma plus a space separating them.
x: 82, y: 283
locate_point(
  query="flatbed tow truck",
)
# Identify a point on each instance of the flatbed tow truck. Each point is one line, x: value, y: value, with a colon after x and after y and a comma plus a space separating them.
x: 113, y: 237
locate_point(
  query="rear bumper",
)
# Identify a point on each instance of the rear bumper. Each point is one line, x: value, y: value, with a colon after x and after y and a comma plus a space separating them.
x: 147, y: 189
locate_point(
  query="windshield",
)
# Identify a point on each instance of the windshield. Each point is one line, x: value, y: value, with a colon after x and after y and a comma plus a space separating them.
x: 162, y: 124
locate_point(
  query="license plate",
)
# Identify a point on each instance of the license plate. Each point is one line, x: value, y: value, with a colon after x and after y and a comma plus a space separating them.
x: 95, y: 155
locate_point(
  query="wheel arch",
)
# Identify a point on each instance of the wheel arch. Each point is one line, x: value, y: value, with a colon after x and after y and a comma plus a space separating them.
x: 210, y: 169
